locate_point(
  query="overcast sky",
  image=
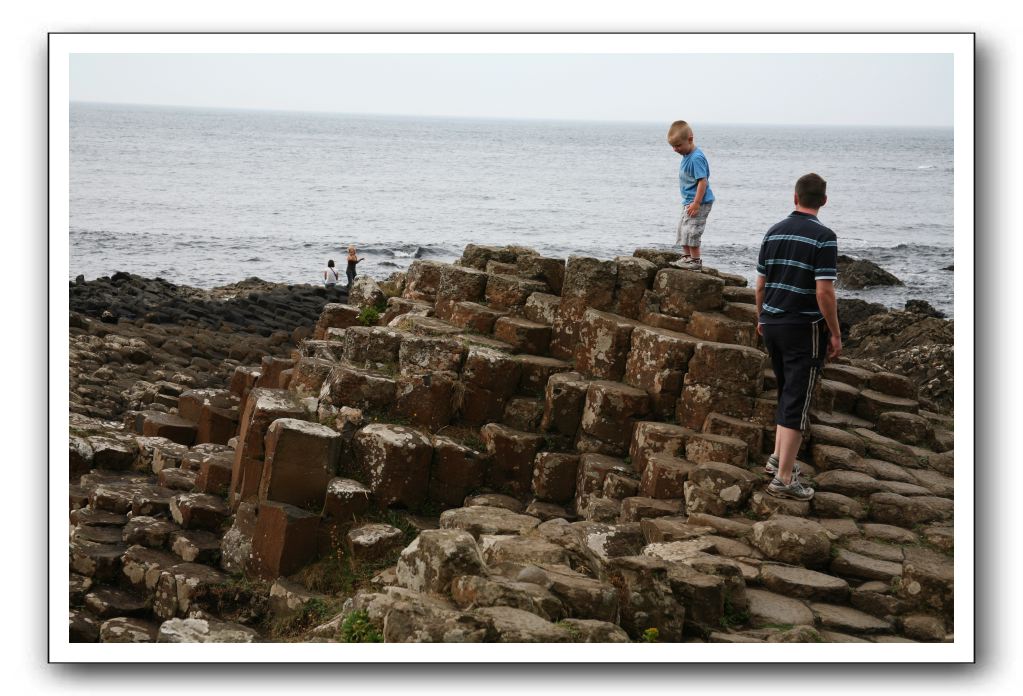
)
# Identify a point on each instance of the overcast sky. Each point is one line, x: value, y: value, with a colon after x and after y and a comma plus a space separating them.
x: 826, y: 89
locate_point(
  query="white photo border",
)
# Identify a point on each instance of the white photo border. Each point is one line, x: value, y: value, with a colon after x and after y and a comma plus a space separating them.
x: 960, y: 45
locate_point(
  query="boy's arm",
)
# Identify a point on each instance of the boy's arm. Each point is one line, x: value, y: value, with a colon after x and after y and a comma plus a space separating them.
x: 701, y: 191
x: 701, y: 172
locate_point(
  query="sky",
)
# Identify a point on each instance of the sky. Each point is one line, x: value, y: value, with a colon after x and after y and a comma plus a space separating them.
x: 819, y: 89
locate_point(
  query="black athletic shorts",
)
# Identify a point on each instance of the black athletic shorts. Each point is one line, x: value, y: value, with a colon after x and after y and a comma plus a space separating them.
x: 797, y: 354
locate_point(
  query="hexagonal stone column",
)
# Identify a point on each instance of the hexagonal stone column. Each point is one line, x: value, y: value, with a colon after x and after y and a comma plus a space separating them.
x: 301, y: 459
x: 284, y: 540
x: 436, y: 557
x: 683, y: 292
x: 394, y: 461
x: 610, y: 411
x: 603, y: 345
x: 510, y: 455
x: 262, y: 408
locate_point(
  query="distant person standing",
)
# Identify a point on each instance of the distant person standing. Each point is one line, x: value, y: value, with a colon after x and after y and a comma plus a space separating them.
x: 798, y: 318
x: 697, y: 198
x: 353, y: 260
x: 330, y: 278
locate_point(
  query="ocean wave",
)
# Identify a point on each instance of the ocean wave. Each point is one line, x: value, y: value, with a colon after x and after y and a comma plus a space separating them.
x: 405, y: 250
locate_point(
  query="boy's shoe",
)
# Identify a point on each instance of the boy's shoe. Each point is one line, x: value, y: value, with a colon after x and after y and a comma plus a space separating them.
x: 694, y: 265
x: 772, y: 466
x: 683, y: 262
x: 795, y: 490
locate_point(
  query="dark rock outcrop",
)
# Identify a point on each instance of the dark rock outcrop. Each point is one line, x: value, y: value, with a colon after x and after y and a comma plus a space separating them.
x: 860, y: 273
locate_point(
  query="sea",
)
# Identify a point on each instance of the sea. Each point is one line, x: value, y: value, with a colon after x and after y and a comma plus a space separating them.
x: 208, y: 197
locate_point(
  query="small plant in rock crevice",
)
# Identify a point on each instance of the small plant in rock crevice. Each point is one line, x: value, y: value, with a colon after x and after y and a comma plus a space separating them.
x: 357, y: 628
x: 369, y: 316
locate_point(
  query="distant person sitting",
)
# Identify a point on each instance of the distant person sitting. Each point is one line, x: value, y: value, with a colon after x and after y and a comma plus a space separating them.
x: 330, y: 278
x: 697, y: 198
x: 353, y: 259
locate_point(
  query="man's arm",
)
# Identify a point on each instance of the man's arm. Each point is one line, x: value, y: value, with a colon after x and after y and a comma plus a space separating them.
x: 761, y: 284
x: 828, y: 305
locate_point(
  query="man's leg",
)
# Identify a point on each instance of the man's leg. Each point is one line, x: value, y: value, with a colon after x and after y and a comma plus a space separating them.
x: 694, y: 252
x: 786, y: 445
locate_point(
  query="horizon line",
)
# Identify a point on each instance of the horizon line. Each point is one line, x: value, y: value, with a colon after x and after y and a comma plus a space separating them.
x: 561, y: 119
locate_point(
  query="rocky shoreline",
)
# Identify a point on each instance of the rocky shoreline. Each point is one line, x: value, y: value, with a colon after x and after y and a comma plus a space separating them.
x: 509, y: 448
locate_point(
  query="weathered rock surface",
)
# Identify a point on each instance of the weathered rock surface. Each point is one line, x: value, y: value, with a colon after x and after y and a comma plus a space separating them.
x: 594, y: 506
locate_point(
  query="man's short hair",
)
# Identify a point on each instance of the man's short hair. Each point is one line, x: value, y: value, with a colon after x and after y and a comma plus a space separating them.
x: 679, y: 132
x: 811, y: 190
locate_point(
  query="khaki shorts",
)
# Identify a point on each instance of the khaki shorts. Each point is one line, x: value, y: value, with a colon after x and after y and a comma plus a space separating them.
x: 690, y: 229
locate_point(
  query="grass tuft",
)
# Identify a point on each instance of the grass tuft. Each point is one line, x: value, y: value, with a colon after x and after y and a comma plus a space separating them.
x: 357, y: 628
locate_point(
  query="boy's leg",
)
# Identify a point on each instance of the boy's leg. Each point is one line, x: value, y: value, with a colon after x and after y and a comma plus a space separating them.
x: 695, y: 228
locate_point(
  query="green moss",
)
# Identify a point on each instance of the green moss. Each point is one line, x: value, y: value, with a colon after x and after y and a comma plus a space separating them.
x: 369, y: 316
x: 573, y: 630
x: 475, y: 443
x: 357, y: 628
x: 733, y: 617
x: 313, y: 613
x: 651, y: 635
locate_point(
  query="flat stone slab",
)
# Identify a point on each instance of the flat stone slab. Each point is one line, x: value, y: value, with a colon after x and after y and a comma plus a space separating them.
x: 199, y: 511
x: 148, y: 531
x: 856, y: 565
x: 371, y: 542
x: 195, y: 545
x: 87, y: 517
x: 874, y: 549
x: 142, y: 566
x: 770, y: 609
x: 97, y: 535
x: 482, y: 519
x: 804, y: 584
x: 203, y: 631
x: 125, y: 630
x: 519, y: 626
x: 847, y: 619
x: 889, y: 532
x: 106, y: 602
x: 178, y: 479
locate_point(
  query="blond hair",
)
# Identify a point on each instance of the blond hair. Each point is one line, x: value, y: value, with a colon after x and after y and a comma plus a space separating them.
x: 679, y: 132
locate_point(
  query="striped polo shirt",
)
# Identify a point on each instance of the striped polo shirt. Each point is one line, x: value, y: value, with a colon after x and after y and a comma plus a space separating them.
x: 795, y: 254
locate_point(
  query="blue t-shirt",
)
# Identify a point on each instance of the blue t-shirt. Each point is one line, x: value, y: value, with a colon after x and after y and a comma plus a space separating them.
x: 691, y: 169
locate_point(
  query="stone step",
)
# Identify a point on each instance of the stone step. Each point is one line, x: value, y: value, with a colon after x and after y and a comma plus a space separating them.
x: 107, y: 602
x: 475, y: 317
x: 523, y: 335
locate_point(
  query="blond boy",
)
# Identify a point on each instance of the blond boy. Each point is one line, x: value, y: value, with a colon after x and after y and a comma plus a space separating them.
x: 697, y: 198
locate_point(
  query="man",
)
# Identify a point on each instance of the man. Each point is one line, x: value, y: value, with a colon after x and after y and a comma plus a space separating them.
x: 798, y: 318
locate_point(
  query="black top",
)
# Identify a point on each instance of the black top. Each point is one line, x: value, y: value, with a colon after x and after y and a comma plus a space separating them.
x: 351, y: 266
x: 795, y: 254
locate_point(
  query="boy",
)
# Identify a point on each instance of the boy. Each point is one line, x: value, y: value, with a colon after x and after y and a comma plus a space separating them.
x: 697, y: 198
x: 798, y: 318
